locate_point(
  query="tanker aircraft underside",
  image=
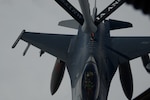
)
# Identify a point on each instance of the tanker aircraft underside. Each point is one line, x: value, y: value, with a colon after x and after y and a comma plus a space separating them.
x: 92, y: 56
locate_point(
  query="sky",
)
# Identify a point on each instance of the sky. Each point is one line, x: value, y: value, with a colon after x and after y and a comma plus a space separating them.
x: 28, y: 77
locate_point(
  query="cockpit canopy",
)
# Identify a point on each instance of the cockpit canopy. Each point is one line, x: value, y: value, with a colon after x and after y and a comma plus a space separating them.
x: 90, y: 82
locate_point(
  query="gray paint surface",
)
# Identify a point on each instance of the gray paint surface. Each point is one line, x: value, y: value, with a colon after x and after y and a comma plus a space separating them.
x: 29, y: 77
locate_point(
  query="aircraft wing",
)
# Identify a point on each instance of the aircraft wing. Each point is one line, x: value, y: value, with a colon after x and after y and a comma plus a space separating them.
x: 54, y: 44
x: 131, y: 47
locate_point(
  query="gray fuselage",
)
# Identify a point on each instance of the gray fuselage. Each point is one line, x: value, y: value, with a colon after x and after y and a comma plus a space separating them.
x: 103, y: 63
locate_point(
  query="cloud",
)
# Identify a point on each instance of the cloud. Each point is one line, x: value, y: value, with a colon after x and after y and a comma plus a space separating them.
x: 40, y: 3
x: 8, y: 2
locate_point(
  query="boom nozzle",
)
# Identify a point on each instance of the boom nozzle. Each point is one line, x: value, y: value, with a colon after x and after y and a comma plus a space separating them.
x: 88, y: 25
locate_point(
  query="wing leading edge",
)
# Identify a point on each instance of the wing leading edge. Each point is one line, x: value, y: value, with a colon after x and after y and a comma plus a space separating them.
x: 131, y: 47
x: 54, y: 44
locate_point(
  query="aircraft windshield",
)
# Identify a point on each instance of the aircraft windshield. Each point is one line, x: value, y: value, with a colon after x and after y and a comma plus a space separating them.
x: 90, y: 82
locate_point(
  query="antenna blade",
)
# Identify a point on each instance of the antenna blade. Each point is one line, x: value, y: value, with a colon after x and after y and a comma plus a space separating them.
x: 25, y: 51
x: 41, y: 53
